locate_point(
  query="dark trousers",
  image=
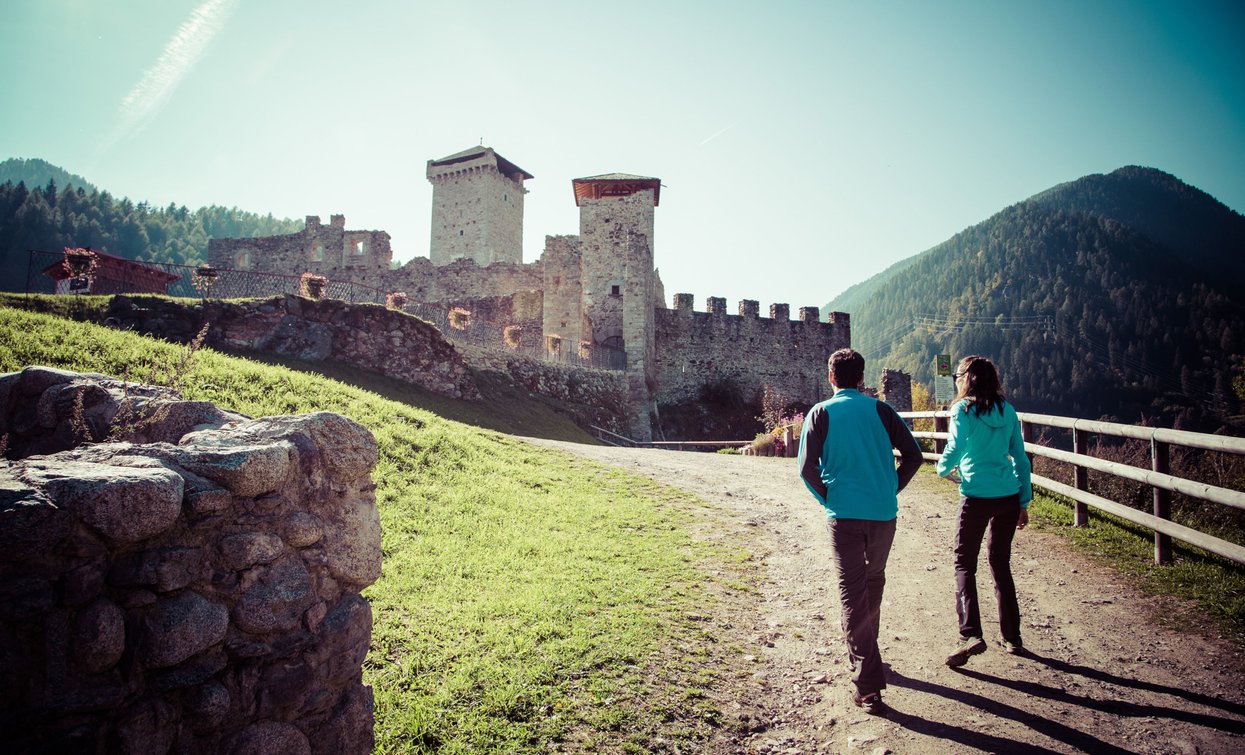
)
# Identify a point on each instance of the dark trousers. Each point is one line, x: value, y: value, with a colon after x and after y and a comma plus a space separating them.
x: 999, y: 515
x: 861, y: 547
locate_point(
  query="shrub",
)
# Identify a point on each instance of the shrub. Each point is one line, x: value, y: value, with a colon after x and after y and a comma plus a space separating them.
x: 459, y: 318
x: 311, y: 285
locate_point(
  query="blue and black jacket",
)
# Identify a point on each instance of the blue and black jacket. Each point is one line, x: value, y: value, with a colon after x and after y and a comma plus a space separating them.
x: 846, y: 458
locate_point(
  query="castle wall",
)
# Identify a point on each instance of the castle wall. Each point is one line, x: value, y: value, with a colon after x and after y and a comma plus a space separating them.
x: 477, y: 213
x: 589, y: 396
x: 696, y: 350
x: 367, y: 336
x: 190, y: 592
x: 463, y: 279
x: 329, y: 250
x: 563, y: 299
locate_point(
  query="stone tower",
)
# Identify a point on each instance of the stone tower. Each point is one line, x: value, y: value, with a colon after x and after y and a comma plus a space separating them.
x: 477, y: 207
x: 616, y: 213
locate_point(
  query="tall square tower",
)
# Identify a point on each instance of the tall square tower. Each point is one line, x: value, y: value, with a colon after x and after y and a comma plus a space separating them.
x: 477, y: 207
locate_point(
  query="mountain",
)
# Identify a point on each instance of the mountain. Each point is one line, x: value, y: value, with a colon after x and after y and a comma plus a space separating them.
x: 45, y: 208
x: 1114, y: 296
x: 36, y: 172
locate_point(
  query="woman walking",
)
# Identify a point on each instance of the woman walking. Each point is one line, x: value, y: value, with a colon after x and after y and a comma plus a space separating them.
x: 986, y: 456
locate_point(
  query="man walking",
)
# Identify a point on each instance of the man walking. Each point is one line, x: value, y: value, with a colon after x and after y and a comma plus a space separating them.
x: 847, y: 462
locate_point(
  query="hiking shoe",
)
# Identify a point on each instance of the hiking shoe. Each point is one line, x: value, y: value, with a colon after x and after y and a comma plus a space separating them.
x: 1013, y: 647
x: 969, y: 647
x: 871, y: 703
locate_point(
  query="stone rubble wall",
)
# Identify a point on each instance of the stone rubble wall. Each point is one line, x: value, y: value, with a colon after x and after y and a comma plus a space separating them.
x: 896, y: 389
x: 385, y: 341
x: 191, y: 587
x: 321, y: 249
x: 589, y: 396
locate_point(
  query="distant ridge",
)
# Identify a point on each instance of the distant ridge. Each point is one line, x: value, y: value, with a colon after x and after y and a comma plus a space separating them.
x: 46, y: 208
x: 35, y: 172
x: 1119, y: 295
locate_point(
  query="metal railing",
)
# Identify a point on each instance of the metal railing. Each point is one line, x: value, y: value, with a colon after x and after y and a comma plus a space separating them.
x: 1158, y: 476
x: 190, y: 281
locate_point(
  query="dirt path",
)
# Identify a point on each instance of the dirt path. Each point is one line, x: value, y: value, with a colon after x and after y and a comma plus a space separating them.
x: 1101, y: 676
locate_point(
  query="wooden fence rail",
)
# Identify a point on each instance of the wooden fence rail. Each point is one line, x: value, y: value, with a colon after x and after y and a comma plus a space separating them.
x: 1158, y: 477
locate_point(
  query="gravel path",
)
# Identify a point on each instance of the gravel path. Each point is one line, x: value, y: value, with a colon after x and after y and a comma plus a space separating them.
x: 1102, y: 673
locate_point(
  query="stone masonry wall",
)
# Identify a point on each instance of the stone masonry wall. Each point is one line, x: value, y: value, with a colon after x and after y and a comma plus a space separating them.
x: 370, y: 336
x: 896, y: 389
x: 477, y: 212
x: 328, y: 250
x: 698, y: 349
x: 588, y: 396
x: 192, y: 586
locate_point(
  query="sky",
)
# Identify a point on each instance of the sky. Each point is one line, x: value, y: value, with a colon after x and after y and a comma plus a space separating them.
x: 802, y: 146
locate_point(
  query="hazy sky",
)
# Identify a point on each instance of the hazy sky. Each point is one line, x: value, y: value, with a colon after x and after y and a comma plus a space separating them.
x: 802, y: 146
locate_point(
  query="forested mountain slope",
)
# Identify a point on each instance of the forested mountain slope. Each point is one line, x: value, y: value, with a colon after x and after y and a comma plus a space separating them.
x: 1115, y: 296
x: 46, y: 214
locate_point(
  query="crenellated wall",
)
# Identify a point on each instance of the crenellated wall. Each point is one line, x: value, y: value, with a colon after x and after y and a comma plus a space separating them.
x: 192, y: 585
x: 699, y: 349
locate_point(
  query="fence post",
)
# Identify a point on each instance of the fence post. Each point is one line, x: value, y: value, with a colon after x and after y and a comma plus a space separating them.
x: 1160, y: 461
x: 1080, y: 479
x: 940, y: 426
x: 1026, y: 432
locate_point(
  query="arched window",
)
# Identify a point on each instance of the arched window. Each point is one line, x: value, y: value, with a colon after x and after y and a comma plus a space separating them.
x: 317, y: 253
x: 244, y: 260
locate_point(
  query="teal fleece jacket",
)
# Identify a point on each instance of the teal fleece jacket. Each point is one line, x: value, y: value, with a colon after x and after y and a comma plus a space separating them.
x: 846, y: 459
x: 990, y: 452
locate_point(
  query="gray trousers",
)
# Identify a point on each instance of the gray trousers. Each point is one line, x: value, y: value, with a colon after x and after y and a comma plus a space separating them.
x: 861, y: 547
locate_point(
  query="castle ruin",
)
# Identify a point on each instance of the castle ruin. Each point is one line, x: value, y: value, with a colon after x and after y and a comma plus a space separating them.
x: 688, y: 373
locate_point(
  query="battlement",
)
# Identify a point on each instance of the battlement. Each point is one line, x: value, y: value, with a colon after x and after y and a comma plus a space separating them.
x: 750, y: 309
x: 476, y: 160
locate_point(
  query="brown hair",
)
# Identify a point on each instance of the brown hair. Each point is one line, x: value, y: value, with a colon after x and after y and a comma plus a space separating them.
x: 980, y: 384
x: 847, y: 367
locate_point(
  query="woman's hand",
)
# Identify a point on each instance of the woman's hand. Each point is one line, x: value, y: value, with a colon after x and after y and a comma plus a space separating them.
x: 954, y: 475
x: 1023, y: 520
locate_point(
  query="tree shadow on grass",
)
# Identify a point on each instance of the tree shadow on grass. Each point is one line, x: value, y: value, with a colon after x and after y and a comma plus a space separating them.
x: 989, y: 742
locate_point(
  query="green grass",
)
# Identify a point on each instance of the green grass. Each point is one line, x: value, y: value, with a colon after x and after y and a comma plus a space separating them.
x: 527, y: 598
x: 1215, y: 584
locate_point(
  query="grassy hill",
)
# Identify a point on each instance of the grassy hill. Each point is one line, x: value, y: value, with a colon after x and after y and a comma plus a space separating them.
x: 527, y: 598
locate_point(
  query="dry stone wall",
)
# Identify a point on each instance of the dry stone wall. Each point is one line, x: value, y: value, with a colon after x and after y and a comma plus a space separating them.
x: 370, y: 336
x: 191, y: 586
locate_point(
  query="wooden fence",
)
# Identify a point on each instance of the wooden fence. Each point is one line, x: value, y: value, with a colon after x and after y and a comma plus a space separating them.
x: 1157, y: 476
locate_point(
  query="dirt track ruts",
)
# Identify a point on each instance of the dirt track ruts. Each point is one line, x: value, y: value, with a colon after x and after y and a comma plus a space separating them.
x: 1102, y: 673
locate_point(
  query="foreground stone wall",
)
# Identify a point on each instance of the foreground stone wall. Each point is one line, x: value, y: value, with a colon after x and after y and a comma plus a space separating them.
x: 370, y: 336
x: 191, y: 585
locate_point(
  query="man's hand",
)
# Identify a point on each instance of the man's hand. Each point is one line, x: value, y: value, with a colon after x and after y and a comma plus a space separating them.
x: 1023, y: 520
